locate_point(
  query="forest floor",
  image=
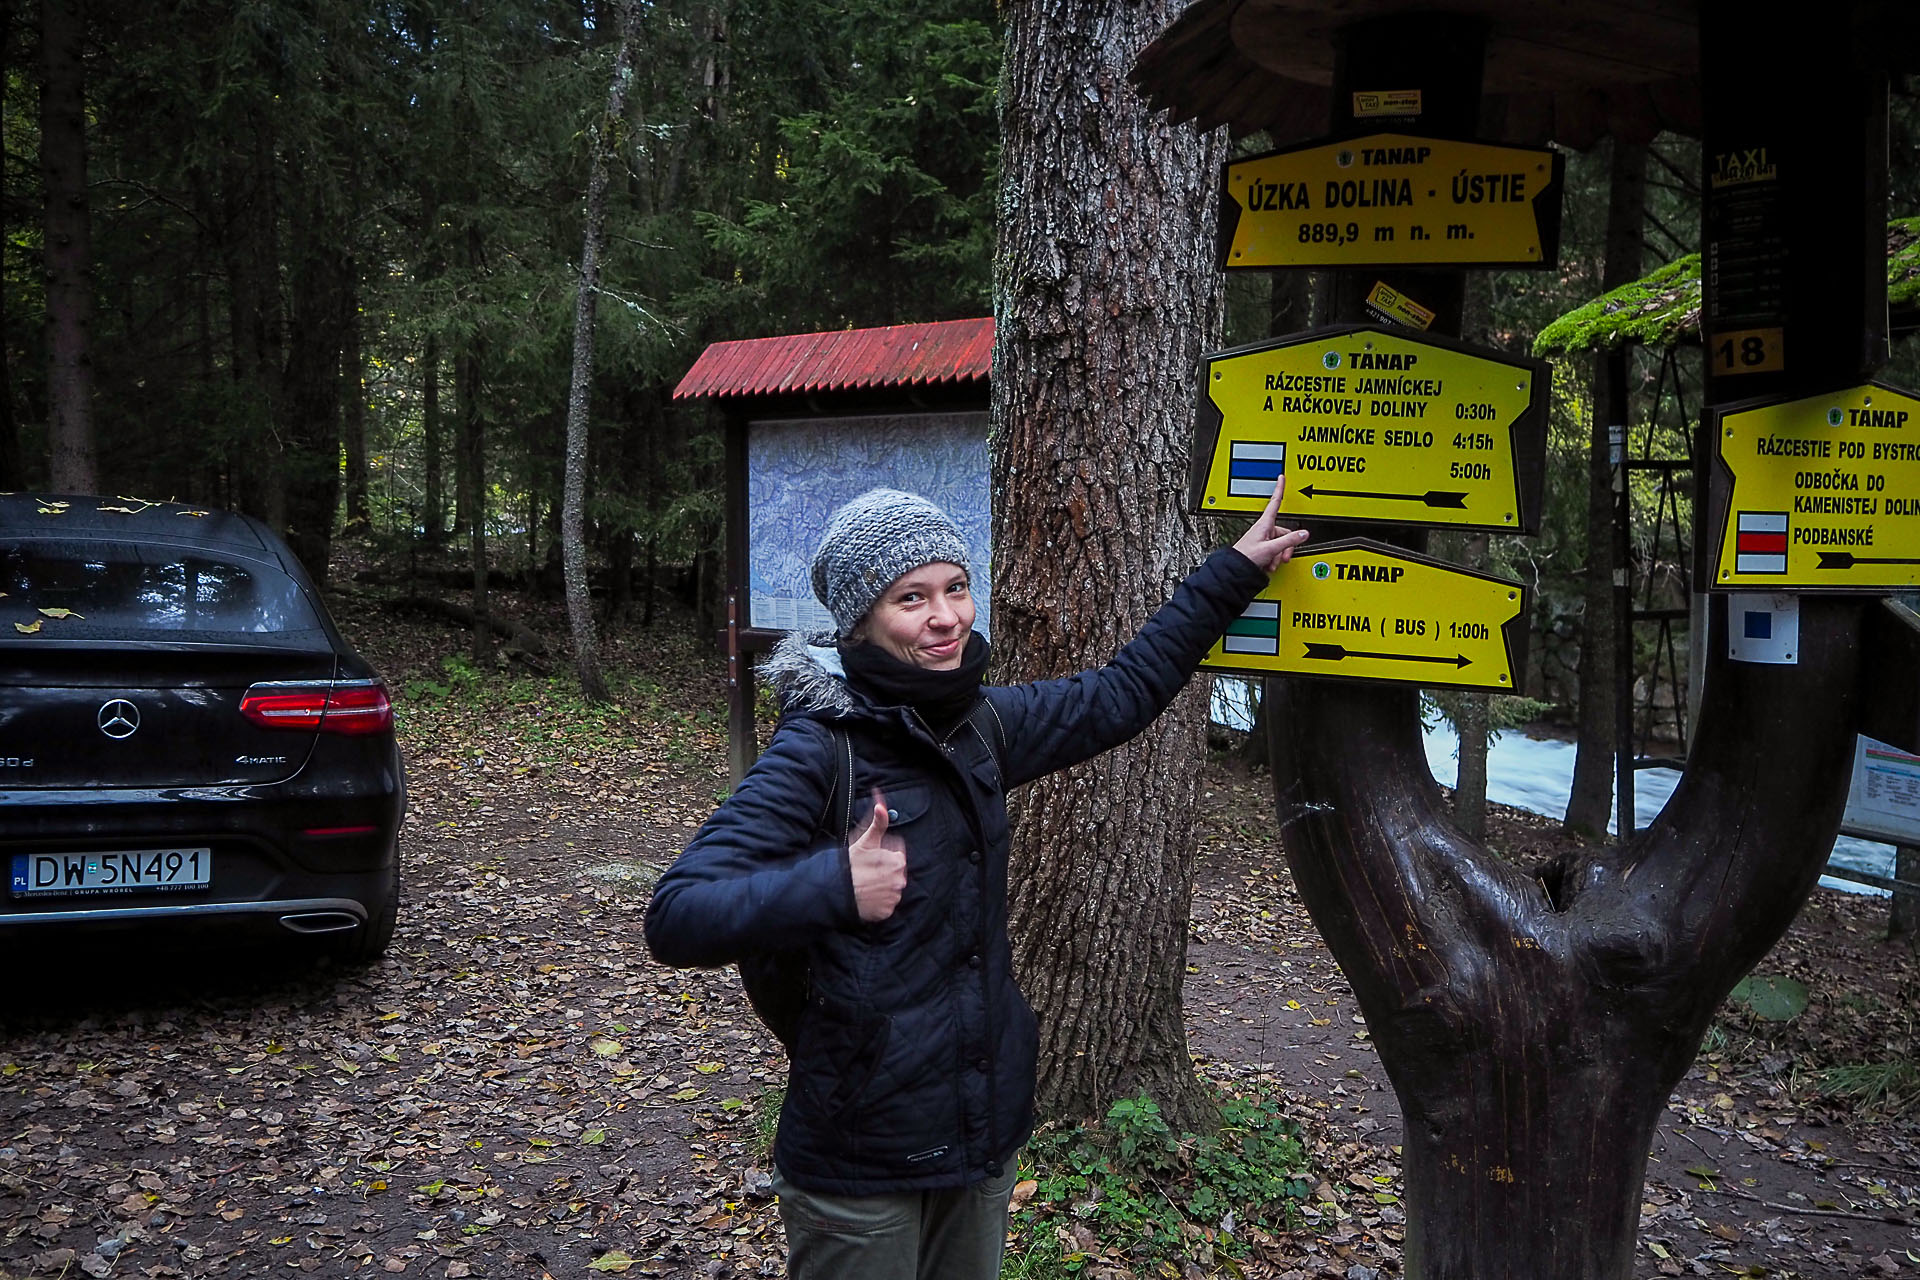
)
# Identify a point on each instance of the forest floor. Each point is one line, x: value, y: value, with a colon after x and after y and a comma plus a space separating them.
x: 518, y: 1091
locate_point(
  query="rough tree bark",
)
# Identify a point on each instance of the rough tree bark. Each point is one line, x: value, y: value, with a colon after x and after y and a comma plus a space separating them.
x: 1535, y: 1020
x: 433, y: 518
x: 1593, y: 761
x: 1903, y: 916
x: 1473, y: 712
x: 353, y: 418
x: 473, y: 455
x: 1105, y: 300
x: 320, y: 303
x: 72, y: 461
x: 603, y: 144
x: 1534, y: 1023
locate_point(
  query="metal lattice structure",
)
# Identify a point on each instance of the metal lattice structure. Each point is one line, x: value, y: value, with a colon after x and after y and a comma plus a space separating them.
x: 1653, y: 590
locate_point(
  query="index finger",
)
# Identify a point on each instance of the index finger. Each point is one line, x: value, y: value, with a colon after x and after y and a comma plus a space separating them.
x: 1271, y: 511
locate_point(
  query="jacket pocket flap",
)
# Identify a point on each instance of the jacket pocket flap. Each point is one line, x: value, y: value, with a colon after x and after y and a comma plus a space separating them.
x: 905, y: 804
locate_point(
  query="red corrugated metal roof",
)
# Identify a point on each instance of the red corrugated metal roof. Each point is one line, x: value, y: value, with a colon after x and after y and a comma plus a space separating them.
x: 901, y: 355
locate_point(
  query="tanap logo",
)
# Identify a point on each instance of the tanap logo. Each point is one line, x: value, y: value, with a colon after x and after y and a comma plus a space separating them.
x: 1322, y: 570
x: 1835, y: 417
x: 1331, y: 360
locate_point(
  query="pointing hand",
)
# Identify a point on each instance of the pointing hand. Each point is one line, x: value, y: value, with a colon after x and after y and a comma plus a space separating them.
x: 1266, y: 545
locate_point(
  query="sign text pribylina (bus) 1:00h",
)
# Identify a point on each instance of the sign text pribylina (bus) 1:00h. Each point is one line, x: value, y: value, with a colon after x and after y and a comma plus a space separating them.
x: 1393, y: 199
x: 1363, y: 610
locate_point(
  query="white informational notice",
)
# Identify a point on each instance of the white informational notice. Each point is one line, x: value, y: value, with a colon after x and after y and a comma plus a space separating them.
x: 1884, y: 803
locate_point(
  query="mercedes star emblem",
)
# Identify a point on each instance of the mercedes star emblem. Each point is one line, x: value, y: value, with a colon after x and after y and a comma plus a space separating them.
x: 118, y: 718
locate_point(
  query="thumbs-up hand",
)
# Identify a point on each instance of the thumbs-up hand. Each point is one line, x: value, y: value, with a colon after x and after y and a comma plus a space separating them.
x: 879, y: 864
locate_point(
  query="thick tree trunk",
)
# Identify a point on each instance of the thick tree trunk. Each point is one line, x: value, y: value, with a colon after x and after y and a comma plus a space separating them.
x: 321, y: 300
x: 250, y: 214
x: 466, y: 391
x: 602, y: 139
x: 10, y: 469
x: 72, y: 463
x: 1593, y: 761
x: 1105, y: 299
x: 353, y: 421
x: 1534, y: 1025
x: 1903, y: 918
x: 433, y: 519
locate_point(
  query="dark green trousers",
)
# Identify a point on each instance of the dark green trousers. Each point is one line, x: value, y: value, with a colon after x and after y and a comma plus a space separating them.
x: 919, y: 1235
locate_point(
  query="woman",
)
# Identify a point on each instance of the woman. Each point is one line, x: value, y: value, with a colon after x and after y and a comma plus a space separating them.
x: 911, y: 1077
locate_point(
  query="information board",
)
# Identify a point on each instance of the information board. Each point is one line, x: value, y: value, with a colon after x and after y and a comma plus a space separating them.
x: 1392, y: 199
x: 1374, y: 424
x: 800, y: 469
x: 1819, y: 493
x: 1884, y: 800
x: 1363, y: 610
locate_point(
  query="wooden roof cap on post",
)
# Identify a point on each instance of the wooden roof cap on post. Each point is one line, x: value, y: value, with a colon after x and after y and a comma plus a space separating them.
x: 905, y: 356
x: 1556, y: 70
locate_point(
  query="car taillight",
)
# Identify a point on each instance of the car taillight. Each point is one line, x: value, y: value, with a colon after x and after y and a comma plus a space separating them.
x: 344, y: 706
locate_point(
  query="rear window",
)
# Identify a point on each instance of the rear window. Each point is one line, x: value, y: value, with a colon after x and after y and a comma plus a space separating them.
x: 128, y: 588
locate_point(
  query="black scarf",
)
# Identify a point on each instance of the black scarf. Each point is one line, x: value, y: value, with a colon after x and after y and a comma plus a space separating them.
x: 943, y: 698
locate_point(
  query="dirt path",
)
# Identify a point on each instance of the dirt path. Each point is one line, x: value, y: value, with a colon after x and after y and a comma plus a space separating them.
x: 516, y: 1091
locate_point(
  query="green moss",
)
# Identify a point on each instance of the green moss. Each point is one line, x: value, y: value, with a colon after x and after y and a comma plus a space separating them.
x: 1903, y: 261
x: 1657, y: 310
x: 1664, y: 308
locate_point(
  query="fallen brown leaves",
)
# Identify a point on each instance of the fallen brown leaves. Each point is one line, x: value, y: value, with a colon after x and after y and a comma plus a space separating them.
x: 516, y: 1091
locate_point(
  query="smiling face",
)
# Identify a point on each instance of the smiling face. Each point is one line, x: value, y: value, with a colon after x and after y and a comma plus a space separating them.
x: 923, y: 617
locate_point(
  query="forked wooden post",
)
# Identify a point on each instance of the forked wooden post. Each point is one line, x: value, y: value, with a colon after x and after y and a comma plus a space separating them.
x: 1534, y: 1020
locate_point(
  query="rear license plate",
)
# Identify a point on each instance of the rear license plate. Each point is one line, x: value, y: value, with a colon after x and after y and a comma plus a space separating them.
x: 134, y: 871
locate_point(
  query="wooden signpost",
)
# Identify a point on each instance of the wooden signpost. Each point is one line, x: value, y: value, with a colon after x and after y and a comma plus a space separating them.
x: 1381, y: 424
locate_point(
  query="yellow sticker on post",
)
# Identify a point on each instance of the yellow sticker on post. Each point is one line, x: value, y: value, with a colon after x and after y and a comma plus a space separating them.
x: 1818, y: 493
x: 1375, y: 424
x: 1363, y: 610
x: 1391, y: 199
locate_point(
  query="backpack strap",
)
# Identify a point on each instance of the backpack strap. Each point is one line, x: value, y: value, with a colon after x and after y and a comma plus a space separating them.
x: 839, y: 783
x: 985, y: 722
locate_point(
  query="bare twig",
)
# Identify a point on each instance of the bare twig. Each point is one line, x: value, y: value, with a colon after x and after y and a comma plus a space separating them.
x: 1856, y: 1216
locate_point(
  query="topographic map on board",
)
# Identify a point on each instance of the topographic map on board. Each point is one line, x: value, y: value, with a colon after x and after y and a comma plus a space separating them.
x: 799, y: 470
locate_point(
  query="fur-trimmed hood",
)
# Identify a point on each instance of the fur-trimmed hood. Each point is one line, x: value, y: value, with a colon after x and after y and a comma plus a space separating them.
x: 806, y: 677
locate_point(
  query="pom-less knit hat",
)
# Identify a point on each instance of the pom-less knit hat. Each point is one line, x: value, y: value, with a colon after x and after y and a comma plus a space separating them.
x: 874, y: 539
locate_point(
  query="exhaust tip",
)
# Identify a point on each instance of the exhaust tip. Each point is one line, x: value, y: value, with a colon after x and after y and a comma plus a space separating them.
x: 312, y: 922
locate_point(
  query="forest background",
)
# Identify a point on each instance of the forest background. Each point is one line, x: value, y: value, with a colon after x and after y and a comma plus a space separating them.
x: 325, y: 257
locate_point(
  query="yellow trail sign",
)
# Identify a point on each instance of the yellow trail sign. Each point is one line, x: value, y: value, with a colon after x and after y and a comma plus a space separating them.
x: 1363, y: 610
x: 1820, y: 493
x: 1390, y: 199
x: 1374, y: 424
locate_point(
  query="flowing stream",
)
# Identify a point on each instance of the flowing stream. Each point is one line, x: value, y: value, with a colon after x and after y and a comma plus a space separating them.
x: 1536, y: 774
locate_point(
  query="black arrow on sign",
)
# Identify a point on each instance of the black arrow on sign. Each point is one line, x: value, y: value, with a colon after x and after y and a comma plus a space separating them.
x: 1334, y: 652
x: 1432, y: 497
x: 1846, y: 560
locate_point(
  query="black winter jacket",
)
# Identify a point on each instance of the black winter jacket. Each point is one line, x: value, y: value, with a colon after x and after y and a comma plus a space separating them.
x: 913, y: 1067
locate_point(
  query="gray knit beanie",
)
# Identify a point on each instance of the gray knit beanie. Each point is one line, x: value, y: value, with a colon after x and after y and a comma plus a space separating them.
x: 874, y: 539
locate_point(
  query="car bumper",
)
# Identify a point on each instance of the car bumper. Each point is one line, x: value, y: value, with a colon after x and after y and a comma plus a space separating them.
x: 285, y: 860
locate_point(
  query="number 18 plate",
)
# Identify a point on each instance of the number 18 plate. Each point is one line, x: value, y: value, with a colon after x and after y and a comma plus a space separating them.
x: 52, y: 874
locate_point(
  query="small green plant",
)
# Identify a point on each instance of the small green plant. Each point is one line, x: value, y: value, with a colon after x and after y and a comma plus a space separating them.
x: 1889, y: 1088
x: 766, y: 1121
x: 1131, y: 1190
